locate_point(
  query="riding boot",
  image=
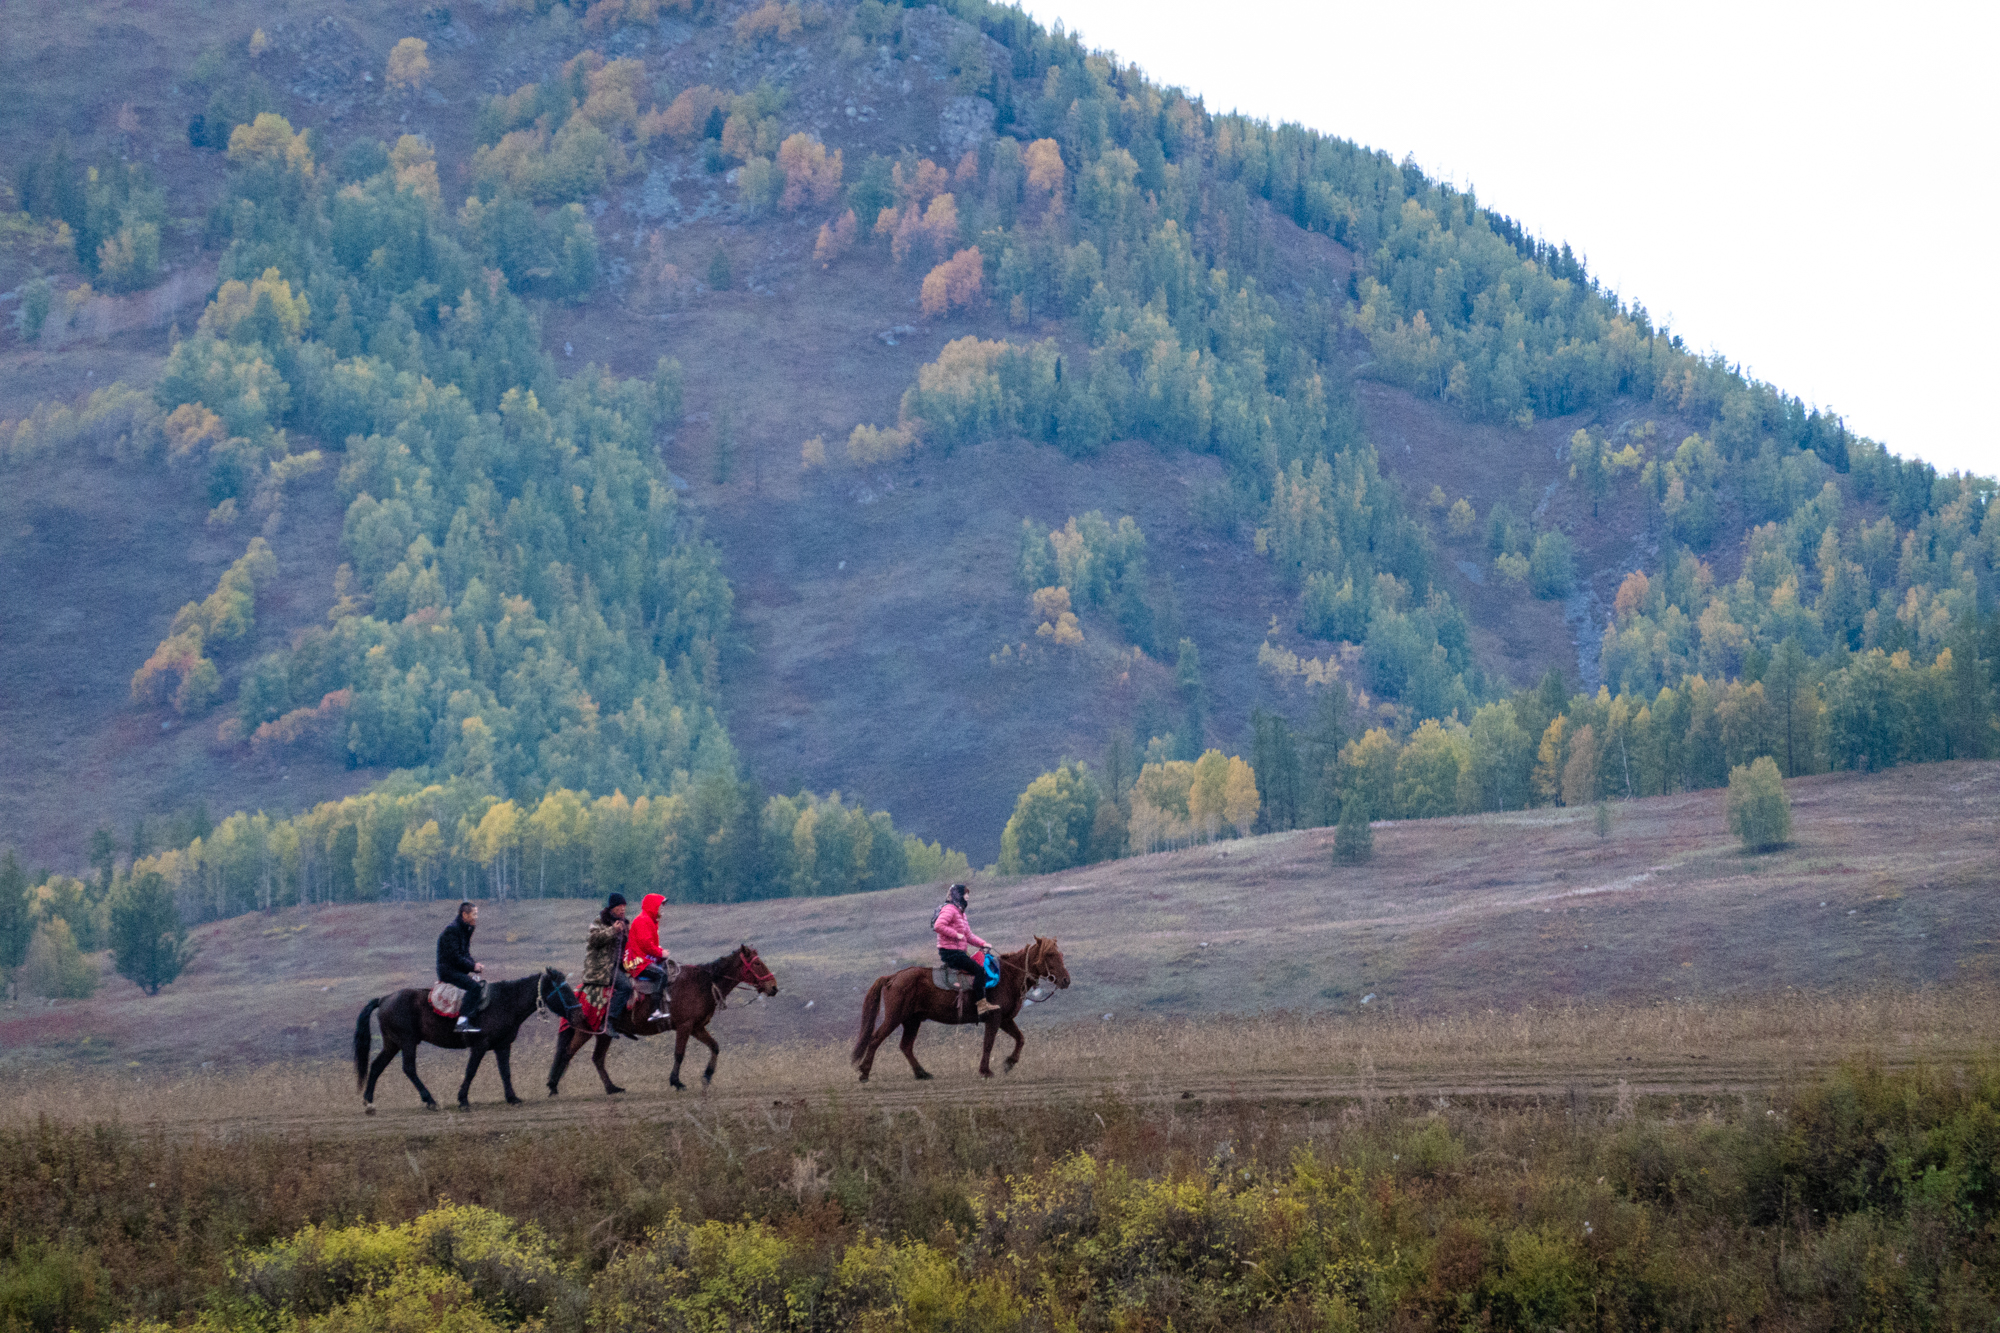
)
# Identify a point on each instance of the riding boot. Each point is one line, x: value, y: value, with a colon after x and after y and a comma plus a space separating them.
x: 475, y: 1000
x: 984, y: 1006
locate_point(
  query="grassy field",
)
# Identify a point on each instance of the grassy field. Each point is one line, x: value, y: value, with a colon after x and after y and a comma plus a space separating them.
x: 1887, y: 888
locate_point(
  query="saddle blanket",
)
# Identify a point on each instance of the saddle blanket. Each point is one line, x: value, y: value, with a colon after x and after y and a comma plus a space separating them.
x: 950, y: 978
x: 446, y: 999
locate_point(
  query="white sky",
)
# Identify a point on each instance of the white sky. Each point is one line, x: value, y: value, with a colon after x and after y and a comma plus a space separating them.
x: 1808, y: 189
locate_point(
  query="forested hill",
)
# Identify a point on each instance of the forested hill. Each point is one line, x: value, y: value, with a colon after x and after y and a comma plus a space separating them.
x: 588, y: 441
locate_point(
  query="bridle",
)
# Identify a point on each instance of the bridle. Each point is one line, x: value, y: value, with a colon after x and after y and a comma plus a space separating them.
x: 762, y: 977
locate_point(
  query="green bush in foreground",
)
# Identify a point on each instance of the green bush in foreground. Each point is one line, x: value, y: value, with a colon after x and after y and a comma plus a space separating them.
x: 1759, y: 811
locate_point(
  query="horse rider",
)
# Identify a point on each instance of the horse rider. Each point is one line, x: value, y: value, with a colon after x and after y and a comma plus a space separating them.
x: 646, y: 961
x: 603, y: 948
x: 455, y: 966
x: 955, y: 938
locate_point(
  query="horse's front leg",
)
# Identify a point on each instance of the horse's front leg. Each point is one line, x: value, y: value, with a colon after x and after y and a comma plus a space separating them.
x: 568, y: 1042
x: 909, y: 1045
x: 471, y: 1070
x: 714, y: 1053
x: 410, y: 1072
x: 986, y: 1049
x: 1007, y: 1026
x: 597, y: 1058
x: 680, y: 1053
x: 504, y: 1057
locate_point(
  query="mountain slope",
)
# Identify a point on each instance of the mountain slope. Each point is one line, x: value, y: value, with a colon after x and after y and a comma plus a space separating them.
x: 1174, y: 308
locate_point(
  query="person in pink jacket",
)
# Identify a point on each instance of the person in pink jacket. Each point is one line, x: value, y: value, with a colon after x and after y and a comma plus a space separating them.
x: 955, y: 942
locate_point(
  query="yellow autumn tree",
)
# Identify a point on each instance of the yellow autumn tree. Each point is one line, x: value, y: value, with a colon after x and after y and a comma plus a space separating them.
x: 1550, y: 757
x: 1046, y: 173
x: 409, y: 64
x: 269, y: 138
x: 416, y: 166
x: 835, y: 239
x: 954, y: 284
x: 812, y: 175
x: 1058, y: 622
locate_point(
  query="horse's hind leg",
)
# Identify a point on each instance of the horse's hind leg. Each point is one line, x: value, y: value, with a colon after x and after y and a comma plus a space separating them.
x: 909, y: 1045
x: 410, y: 1072
x: 597, y: 1058
x: 375, y: 1072
x: 1007, y: 1026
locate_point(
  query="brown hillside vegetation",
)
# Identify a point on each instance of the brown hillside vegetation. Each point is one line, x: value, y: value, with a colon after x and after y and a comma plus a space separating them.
x: 1887, y: 883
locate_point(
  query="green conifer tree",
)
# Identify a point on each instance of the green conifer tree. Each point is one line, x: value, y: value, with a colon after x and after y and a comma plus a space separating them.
x: 148, y: 943
x: 1353, y: 840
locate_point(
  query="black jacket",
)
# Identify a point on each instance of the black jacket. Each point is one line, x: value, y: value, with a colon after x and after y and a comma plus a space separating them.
x: 455, y: 948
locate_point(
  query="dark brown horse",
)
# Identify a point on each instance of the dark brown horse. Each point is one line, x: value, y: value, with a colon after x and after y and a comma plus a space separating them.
x: 908, y: 997
x: 408, y: 1021
x: 692, y: 1000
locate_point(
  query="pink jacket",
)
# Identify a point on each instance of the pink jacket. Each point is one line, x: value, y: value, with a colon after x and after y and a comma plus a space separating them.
x: 953, y: 932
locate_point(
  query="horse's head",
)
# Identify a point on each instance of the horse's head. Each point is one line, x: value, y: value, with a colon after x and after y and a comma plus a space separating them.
x: 755, y: 974
x: 556, y: 994
x: 1046, y: 960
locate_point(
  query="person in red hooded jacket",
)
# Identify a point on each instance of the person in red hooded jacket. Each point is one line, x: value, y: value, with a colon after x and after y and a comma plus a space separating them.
x: 646, y: 959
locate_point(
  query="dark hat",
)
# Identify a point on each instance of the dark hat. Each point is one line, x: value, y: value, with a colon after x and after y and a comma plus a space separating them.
x: 957, y: 893
x: 615, y: 900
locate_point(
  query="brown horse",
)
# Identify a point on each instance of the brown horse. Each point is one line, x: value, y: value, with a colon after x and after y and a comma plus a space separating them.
x: 692, y: 1000
x: 408, y: 1021
x: 910, y: 997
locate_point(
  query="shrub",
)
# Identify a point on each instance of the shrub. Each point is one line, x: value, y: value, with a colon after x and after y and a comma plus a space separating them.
x: 1759, y: 811
x: 36, y: 298
x: 55, y: 967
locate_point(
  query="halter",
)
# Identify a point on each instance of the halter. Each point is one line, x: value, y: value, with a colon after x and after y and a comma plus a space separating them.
x: 757, y: 979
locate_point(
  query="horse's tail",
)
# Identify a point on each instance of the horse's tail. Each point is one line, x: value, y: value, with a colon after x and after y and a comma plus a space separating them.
x: 363, y: 1042
x: 871, y: 1008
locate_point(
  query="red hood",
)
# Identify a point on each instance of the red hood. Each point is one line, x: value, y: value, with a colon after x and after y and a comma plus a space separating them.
x: 651, y: 904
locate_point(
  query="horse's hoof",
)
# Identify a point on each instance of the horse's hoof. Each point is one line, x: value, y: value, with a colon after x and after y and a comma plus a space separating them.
x: 368, y: 1109
x: 864, y: 1078
x: 513, y: 1101
x: 614, y: 1091
x: 923, y: 1076
x: 986, y: 1073
x: 430, y: 1106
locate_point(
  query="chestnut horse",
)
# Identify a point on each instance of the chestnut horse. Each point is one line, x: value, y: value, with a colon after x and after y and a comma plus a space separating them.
x: 910, y: 996
x: 692, y: 1000
x: 408, y: 1021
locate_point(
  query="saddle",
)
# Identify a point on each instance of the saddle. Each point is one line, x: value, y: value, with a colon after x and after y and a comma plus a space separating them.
x: 950, y: 978
x: 446, y: 999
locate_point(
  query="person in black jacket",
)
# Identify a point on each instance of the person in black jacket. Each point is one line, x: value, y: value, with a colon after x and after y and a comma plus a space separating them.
x: 455, y: 964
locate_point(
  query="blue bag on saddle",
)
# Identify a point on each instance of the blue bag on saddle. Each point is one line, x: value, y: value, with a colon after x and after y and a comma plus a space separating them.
x: 991, y: 966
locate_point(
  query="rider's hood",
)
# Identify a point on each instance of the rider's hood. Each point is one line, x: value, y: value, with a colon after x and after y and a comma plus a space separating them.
x: 652, y: 903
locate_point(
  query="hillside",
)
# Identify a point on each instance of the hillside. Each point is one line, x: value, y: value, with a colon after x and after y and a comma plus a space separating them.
x: 1888, y: 884
x: 1174, y: 307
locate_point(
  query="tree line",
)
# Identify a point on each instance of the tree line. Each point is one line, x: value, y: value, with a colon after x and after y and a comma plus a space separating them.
x: 711, y: 839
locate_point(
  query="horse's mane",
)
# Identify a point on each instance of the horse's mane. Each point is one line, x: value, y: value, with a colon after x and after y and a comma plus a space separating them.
x: 715, y: 968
